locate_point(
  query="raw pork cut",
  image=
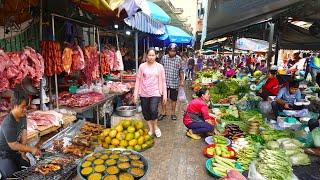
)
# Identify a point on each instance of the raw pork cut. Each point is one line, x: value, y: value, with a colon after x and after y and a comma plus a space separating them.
x: 91, y: 70
x: 80, y: 99
x: 77, y: 59
x: 45, y: 118
x: 15, y: 66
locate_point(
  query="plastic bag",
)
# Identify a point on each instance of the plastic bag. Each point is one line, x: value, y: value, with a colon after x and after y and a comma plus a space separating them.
x: 316, y: 136
x: 253, y: 174
x: 182, y: 95
x: 265, y: 107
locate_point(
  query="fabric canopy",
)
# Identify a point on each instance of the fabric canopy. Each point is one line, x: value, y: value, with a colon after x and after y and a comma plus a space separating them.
x: 175, y: 35
x: 150, y: 20
x: 145, y: 23
x: 228, y: 16
x: 255, y: 45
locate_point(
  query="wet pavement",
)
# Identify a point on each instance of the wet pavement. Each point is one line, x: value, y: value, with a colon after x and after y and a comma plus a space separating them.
x: 175, y: 156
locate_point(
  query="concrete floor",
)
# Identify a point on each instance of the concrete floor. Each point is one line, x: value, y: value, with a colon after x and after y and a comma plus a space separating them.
x: 174, y: 155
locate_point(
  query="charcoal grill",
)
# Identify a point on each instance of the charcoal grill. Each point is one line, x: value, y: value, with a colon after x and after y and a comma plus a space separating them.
x: 62, y: 174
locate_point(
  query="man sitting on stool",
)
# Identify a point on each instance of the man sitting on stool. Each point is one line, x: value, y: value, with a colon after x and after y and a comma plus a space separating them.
x: 286, y: 98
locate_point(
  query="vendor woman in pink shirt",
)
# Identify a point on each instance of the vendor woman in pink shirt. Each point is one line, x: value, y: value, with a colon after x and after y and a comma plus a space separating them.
x: 150, y: 87
x: 197, y: 118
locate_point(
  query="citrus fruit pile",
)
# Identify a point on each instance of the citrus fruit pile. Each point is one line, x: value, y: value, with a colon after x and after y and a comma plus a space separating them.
x: 128, y: 134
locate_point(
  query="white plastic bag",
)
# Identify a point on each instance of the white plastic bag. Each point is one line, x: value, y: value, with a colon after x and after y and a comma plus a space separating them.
x: 182, y: 95
x: 253, y: 174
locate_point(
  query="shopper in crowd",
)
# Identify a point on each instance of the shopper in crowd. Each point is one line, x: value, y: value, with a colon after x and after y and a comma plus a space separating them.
x: 197, y: 118
x: 229, y: 71
x: 200, y: 62
x: 262, y: 67
x: 210, y: 63
x: 271, y: 87
x: 307, y: 58
x: 190, y: 70
x: 150, y: 87
x: 315, y: 66
x: 286, y: 98
x: 13, y: 137
x: 174, y: 78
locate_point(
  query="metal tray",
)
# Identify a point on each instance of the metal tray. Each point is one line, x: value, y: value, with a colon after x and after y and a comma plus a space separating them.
x: 67, y: 134
x: 62, y: 174
x: 143, y: 159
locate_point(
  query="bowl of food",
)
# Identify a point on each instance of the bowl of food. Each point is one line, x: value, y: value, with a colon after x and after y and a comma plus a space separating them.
x: 126, y: 111
x: 132, y: 166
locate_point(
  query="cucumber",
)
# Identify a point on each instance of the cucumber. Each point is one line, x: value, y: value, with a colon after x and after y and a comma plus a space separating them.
x: 221, y: 167
x: 226, y: 161
x: 218, y: 172
x: 224, y: 164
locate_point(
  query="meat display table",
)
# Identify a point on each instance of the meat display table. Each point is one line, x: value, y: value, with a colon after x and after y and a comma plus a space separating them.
x: 92, y: 106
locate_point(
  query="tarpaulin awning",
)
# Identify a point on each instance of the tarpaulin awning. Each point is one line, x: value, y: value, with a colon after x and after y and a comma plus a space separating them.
x: 150, y: 20
x: 250, y: 44
x: 145, y: 23
x: 175, y: 35
x: 227, y: 16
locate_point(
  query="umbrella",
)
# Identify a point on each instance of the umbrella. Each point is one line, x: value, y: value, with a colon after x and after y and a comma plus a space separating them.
x: 156, y: 13
x: 175, y: 35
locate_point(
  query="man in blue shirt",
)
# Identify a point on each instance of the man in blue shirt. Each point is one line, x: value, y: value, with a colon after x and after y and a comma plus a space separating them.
x: 286, y: 98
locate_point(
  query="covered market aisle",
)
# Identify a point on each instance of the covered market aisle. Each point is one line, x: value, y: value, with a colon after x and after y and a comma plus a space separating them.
x: 174, y: 155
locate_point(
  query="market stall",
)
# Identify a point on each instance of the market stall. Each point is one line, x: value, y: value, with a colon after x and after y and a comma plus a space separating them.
x: 247, y: 141
x: 69, y: 150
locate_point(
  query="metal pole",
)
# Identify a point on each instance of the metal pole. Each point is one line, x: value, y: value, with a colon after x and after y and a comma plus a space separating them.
x: 271, y: 33
x: 94, y: 36
x: 233, y: 47
x: 136, y: 50
x: 144, y: 45
x: 55, y: 76
x: 99, y: 48
x: 40, y: 38
x: 148, y: 42
x: 276, y: 55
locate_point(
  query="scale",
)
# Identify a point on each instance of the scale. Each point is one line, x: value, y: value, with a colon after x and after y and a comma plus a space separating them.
x: 28, y: 87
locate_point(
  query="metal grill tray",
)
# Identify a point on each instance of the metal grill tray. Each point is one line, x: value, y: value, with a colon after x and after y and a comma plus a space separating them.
x: 64, y: 173
x: 30, y: 174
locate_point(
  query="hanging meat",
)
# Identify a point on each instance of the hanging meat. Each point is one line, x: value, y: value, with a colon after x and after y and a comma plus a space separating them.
x: 51, y: 53
x: 105, y: 66
x: 67, y: 59
x: 77, y: 59
x: 15, y: 66
x: 91, y: 70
